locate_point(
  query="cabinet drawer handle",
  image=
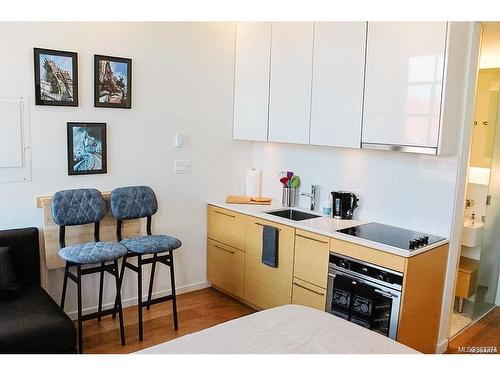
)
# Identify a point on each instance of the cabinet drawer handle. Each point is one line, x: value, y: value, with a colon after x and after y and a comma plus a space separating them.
x: 310, y: 290
x: 263, y: 225
x: 223, y: 213
x: 221, y: 248
x: 312, y: 239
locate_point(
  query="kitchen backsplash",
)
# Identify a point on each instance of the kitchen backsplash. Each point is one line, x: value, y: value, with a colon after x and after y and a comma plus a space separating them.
x: 407, y: 190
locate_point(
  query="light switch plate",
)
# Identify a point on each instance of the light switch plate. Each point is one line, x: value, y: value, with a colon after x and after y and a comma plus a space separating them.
x: 182, y: 166
x: 178, y: 140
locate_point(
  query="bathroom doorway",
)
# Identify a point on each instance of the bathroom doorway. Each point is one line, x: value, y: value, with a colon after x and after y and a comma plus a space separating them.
x: 476, y: 289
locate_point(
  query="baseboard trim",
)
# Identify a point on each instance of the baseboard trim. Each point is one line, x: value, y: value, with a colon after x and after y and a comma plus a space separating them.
x: 442, y: 347
x: 133, y: 300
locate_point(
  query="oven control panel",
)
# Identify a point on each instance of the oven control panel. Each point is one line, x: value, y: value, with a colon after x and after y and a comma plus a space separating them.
x: 361, y: 268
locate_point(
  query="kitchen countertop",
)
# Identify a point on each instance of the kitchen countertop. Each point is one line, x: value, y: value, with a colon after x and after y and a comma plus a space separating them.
x: 324, y: 225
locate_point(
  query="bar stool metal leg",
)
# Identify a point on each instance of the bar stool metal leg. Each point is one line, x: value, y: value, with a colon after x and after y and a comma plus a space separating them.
x: 65, y: 284
x: 139, y: 295
x: 119, y: 299
x: 174, y: 297
x: 122, y: 271
x: 79, y: 297
x: 151, y: 280
x: 101, y: 286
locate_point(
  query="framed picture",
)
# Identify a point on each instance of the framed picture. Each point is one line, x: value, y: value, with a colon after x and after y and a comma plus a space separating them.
x: 86, y: 148
x: 56, y: 77
x: 112, y: 82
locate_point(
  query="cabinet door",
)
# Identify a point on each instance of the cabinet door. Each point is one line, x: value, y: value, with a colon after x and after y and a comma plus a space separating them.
x: 266, y: 286
x: 404, y: 78
x: 251, y: 80
x: 311, y: 258
x: 337, y: 87
x: 290, y: 86
x: 226, y: 226
x: 226, y: 267
x: 307, y: 294
x: 485, y: 116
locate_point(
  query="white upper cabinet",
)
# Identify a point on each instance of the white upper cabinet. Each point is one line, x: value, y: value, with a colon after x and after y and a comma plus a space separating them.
x: 290, y: 82
x: 404, y: 84
x: 251, y: 81
x: 337, y: 85
x: 383, y: 85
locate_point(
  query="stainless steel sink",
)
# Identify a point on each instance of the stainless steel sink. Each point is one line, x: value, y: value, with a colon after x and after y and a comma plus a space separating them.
x: 292, y: 214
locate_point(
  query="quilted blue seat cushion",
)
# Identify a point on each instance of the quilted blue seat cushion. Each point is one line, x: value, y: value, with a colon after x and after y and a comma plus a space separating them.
x: 92, y: 252
x: 151, y: 244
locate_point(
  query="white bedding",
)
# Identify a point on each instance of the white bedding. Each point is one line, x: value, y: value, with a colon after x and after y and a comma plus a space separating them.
x: 283, y: 330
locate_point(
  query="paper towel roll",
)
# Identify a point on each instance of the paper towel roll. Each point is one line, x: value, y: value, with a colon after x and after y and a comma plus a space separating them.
x: 252, y: 186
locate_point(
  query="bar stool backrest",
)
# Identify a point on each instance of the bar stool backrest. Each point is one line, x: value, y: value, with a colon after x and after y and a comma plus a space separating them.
x: 77, y: 207
x: 133, y: 202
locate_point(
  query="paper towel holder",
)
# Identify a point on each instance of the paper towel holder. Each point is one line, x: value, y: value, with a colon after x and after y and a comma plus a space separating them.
x: 253, y: 182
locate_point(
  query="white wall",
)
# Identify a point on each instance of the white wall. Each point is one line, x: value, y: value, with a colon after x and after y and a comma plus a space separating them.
x: 182, y: 81
x: 407, y: 190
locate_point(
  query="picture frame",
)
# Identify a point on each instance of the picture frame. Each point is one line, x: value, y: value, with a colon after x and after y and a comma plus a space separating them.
x: 112, y: 82
x: 87, y: 148
x: 56, y: 77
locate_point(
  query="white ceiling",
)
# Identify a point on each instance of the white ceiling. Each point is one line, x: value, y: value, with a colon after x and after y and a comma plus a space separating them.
x: 490, y: 48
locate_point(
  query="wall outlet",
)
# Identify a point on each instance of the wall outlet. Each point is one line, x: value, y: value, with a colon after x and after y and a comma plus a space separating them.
x: 182, y: 166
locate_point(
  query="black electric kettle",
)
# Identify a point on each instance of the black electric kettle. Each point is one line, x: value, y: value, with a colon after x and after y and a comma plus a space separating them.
x: 343, y: 204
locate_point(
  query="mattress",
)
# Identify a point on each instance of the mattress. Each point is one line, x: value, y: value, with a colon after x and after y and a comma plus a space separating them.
x: 289, y: 329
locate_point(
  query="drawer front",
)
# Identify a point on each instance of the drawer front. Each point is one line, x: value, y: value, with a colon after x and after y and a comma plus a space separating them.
x: 226, y: 267
x: 306, y: 294
x: 380, y: 258
x: 462, y: 287
x: 226, y: 226
x: 466, y: 284
x: 311, y: 258
x: 266, y: 286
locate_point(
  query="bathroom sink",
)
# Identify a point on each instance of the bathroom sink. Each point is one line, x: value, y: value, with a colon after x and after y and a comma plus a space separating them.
x: 472, y: 234
x: 292, y: 214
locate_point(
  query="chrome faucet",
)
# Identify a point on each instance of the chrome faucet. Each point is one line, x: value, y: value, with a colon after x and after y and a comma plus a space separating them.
x: 313, y: 195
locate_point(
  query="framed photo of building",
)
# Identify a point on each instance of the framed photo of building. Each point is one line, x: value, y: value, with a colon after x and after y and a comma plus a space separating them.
x: 56, y: 77
x: 87, y: 153
x: 112, y: 82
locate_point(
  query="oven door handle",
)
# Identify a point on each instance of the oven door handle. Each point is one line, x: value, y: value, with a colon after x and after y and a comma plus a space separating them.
x: 385, y: 294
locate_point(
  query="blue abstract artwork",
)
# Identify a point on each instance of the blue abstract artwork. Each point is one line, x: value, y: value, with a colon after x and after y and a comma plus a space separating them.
x: 86, y: 148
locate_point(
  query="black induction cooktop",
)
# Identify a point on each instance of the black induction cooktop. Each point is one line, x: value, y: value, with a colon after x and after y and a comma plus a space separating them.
x: 393, y: 236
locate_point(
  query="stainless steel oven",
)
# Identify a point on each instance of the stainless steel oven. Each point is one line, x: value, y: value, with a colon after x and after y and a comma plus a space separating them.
x: 364, y: 293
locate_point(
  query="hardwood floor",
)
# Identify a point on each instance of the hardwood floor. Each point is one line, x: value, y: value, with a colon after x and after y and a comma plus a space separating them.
x: 196, y: 311
x: 484, y: 333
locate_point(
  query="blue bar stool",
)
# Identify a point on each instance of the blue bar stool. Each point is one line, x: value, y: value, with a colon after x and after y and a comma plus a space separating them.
x: 78, y: 207
x: 134, y: 202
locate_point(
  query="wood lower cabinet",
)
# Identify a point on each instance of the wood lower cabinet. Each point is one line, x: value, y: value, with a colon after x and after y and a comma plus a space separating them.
x: 234, y: 264
x: 467, y: 277
x: 226, y: 226
x: 267, y: 286
x: 226, y: 267
x: 311, y: 258
x: 307, y: 294
x: 422, y: 298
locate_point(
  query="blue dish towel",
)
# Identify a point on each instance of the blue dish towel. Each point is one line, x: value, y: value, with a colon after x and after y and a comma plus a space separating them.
x: 270, y: 239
